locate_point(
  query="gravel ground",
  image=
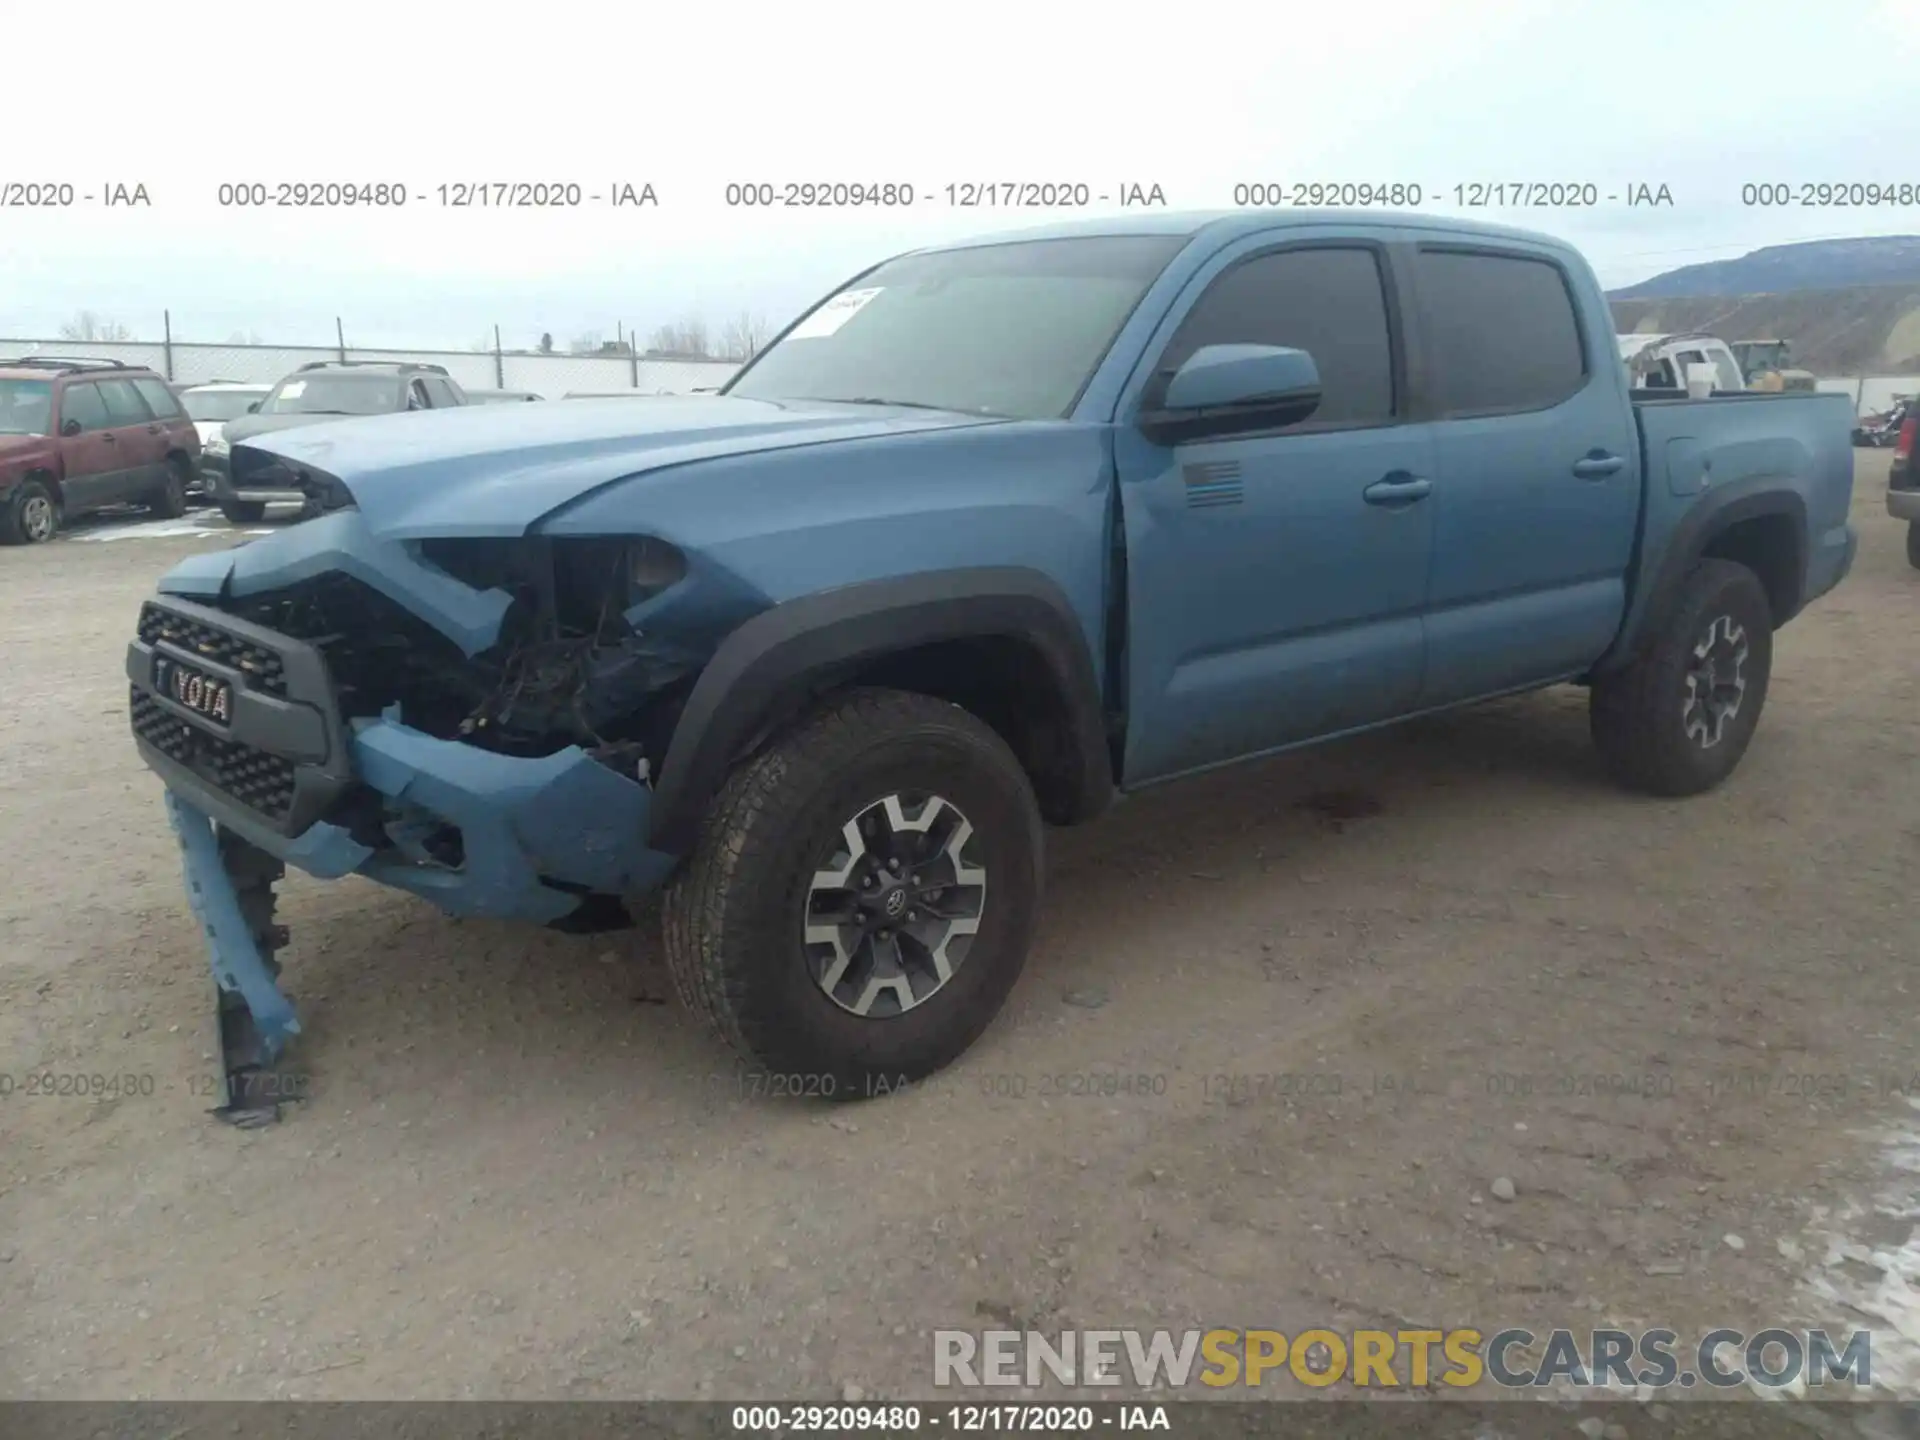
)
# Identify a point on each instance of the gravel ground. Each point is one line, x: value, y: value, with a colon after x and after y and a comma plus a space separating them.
x: 1348, y: 990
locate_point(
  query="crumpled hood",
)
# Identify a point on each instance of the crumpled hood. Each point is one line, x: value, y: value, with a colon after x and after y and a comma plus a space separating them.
x: 500, y: 469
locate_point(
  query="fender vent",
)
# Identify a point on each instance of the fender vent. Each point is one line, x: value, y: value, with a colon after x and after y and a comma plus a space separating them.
x: 1212, y: 482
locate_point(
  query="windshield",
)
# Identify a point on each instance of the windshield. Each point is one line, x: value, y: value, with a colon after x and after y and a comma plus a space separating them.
x: 1010, y: 330
x: 24, y: 406
x: 335, y: 395
x: 216, y: 405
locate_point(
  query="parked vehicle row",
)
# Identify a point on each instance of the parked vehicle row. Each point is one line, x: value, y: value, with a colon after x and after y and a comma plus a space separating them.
x: 79, y: 435
x: 996, y: 533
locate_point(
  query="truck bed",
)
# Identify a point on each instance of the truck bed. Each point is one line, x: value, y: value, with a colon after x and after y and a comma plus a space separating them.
x: 1698, y: 456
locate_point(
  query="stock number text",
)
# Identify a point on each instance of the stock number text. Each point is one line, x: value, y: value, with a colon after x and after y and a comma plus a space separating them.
x: 311, y: 194
x: 1346, y: 195
x: 818, y: 194
x: 1838, y: 196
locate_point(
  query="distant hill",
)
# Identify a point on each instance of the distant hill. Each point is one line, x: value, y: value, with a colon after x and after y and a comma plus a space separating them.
x: 1789, y: 269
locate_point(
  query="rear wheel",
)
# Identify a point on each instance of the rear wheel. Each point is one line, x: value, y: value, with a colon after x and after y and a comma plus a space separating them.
x: 169, y: 502
x: 862, y: 896
x: 1913, y: 543
x: 1677, y: 719
x: 31, y: 516
x: 243, y: 512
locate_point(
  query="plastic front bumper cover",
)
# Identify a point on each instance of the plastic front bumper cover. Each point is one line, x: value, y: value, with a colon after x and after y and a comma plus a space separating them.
x: 521, y: 824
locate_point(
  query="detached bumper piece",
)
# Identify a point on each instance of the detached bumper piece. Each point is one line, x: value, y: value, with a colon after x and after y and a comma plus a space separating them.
x: 230, y: 884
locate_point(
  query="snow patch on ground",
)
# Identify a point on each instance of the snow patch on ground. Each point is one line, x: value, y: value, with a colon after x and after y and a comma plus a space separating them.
x: 1869, y: 1283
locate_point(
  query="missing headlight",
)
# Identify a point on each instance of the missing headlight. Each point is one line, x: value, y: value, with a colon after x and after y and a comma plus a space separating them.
x: 652, y: 566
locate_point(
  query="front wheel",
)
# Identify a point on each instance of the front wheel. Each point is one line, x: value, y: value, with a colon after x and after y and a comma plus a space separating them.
x: 1913, y: 543
x: 31, y: 515
x: 862, y: 896
x: 1678, y: 718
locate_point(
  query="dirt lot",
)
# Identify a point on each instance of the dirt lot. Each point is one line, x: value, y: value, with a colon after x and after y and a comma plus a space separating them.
x: 1350, y: 989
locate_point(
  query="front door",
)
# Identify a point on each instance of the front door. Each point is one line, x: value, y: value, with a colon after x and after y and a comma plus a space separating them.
x: 90, y: 456
x: 1275, y: 580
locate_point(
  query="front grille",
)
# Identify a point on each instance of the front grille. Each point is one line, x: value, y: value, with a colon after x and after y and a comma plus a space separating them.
x: 260, y: 666
x: 256, y: 779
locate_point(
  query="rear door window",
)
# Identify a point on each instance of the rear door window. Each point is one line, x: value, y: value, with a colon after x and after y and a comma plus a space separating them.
x: 159, y: 398
x: 124, y: 405
x: 1501, y: 331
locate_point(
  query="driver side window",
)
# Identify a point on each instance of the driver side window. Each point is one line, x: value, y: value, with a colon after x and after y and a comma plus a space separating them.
x: 82, y: 402
x: 1330, y: 302
x: 417, y: 396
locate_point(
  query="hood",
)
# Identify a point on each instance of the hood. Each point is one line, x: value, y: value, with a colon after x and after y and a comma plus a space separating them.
x: 500, y: 469
x: 16, y: 447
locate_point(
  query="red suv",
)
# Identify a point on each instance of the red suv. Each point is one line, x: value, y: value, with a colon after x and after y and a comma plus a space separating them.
x: 80, y: 435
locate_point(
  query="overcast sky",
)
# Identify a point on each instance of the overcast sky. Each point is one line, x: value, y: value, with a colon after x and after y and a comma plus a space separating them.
x: 1194, y: 97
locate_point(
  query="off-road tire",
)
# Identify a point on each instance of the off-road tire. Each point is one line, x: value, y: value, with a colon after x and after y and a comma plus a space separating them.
x: 1640, y: 715
x: 733, y: 918
x: 16, y: 528
x: 1913, y: 543
x: 169, y: 502
x: 243, y: 512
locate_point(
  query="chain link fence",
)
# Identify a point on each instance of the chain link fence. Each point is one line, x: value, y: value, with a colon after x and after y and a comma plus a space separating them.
x: 549, y: 376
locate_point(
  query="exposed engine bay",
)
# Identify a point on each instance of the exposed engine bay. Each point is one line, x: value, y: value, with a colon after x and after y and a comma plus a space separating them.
x: 569, y: 666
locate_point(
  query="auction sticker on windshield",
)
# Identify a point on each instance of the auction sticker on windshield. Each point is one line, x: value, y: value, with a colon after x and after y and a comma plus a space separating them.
x: 294, y: 391
x: 835, y: 313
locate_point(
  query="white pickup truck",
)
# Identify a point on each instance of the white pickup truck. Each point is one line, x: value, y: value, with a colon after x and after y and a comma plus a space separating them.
x: 1660, y: 362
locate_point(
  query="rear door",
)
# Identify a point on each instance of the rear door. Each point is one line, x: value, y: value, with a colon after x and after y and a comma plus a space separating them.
x: 89, y: 449
x: 1275, y: 579
x: 141, y: 440
x: 1537, y: 481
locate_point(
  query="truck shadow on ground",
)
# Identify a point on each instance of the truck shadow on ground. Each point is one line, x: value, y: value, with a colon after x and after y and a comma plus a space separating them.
x: 479, y: 1001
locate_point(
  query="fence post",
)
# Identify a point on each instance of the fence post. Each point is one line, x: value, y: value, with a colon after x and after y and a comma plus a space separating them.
x: 340, y: 334
x: 499, y: 362
x: 633, y: 357
x: 166, y: 340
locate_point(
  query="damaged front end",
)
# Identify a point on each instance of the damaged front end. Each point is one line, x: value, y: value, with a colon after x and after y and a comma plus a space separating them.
x: 474, y: 720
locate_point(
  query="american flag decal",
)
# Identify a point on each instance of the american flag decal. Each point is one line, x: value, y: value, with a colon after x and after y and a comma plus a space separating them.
x: 1212, y: 482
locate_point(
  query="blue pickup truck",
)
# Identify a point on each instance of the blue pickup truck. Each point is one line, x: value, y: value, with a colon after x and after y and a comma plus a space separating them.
x: 993, y: 534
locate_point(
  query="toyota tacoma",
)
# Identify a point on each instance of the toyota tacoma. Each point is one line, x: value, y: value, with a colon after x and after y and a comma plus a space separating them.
x: 994, y: 533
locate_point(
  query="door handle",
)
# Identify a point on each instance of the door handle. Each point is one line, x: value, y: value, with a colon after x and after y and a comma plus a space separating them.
x: 153, y: 429
x: 1597, y: 465
x: 109, y: 437
x: 1397, y: 488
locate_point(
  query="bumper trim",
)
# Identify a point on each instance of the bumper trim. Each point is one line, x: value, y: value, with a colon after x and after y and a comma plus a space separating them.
x: 238, y: 967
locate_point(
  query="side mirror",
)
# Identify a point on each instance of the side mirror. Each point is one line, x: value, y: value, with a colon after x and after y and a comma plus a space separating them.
x: 1232, y: 389
x: 253, y: 408
x: 70, y: 427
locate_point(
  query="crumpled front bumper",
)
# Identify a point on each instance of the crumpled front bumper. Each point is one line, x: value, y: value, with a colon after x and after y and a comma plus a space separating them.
x: 528, y: 838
